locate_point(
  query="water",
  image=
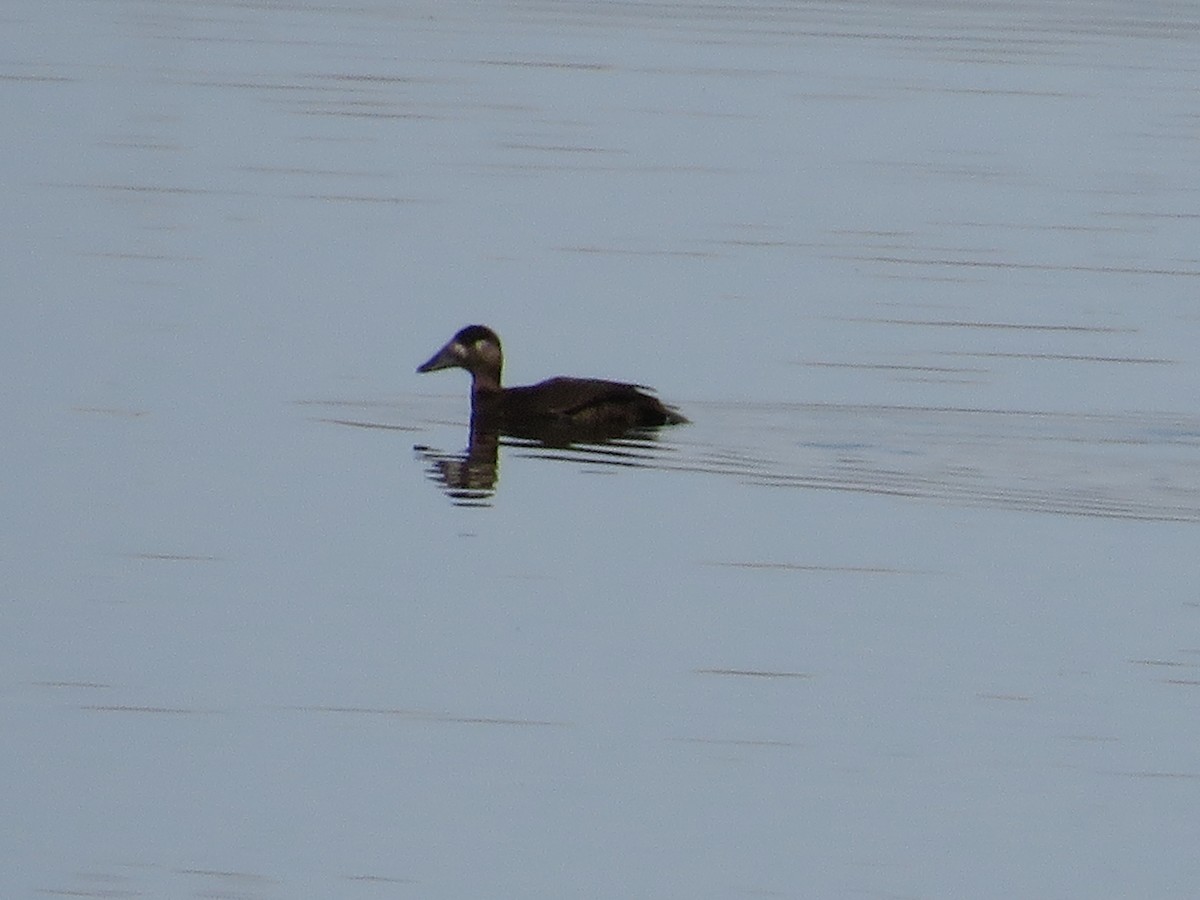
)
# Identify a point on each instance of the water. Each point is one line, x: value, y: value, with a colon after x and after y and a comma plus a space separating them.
x: 908, y: 610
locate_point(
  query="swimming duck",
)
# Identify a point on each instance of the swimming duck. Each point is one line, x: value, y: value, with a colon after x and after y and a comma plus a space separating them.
x: 589, y: 404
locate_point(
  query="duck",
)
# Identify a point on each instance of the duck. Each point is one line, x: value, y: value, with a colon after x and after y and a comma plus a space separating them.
x: 589, y: 405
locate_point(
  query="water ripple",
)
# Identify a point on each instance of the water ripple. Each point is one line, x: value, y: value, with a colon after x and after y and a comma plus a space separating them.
x: 1143, y: 466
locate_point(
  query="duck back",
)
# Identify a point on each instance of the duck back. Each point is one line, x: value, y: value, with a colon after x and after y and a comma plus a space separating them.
x: 588, y: 402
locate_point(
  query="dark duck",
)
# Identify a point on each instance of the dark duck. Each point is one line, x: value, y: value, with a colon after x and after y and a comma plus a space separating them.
x: 560, y: 407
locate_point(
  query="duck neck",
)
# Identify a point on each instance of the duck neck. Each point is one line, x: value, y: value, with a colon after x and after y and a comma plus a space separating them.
x: 485, y: 395
x: 485, y: 383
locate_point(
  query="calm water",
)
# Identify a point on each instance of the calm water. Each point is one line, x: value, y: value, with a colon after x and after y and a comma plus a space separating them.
x: 910, y: 609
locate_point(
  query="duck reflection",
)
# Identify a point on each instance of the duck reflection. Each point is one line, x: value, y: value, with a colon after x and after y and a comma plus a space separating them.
x: 606, y: 420
x: 470, y: 478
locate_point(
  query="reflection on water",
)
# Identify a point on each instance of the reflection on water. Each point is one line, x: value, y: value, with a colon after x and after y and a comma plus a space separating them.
x: 470, y: 478
x: 1130, y: 466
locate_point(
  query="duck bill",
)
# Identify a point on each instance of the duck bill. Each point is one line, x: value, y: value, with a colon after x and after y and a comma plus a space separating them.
x: 446, y: 358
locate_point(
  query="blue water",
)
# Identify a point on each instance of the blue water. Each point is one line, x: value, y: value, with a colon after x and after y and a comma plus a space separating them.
x: 908, y: 610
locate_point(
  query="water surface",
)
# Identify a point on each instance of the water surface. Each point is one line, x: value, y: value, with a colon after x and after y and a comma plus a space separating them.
x: 908, y: 610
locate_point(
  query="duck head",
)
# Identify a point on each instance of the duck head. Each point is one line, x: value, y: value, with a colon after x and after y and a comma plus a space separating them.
x: 476, y: 349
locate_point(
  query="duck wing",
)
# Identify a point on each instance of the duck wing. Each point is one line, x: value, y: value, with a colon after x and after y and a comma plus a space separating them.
x: 592, y: 400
